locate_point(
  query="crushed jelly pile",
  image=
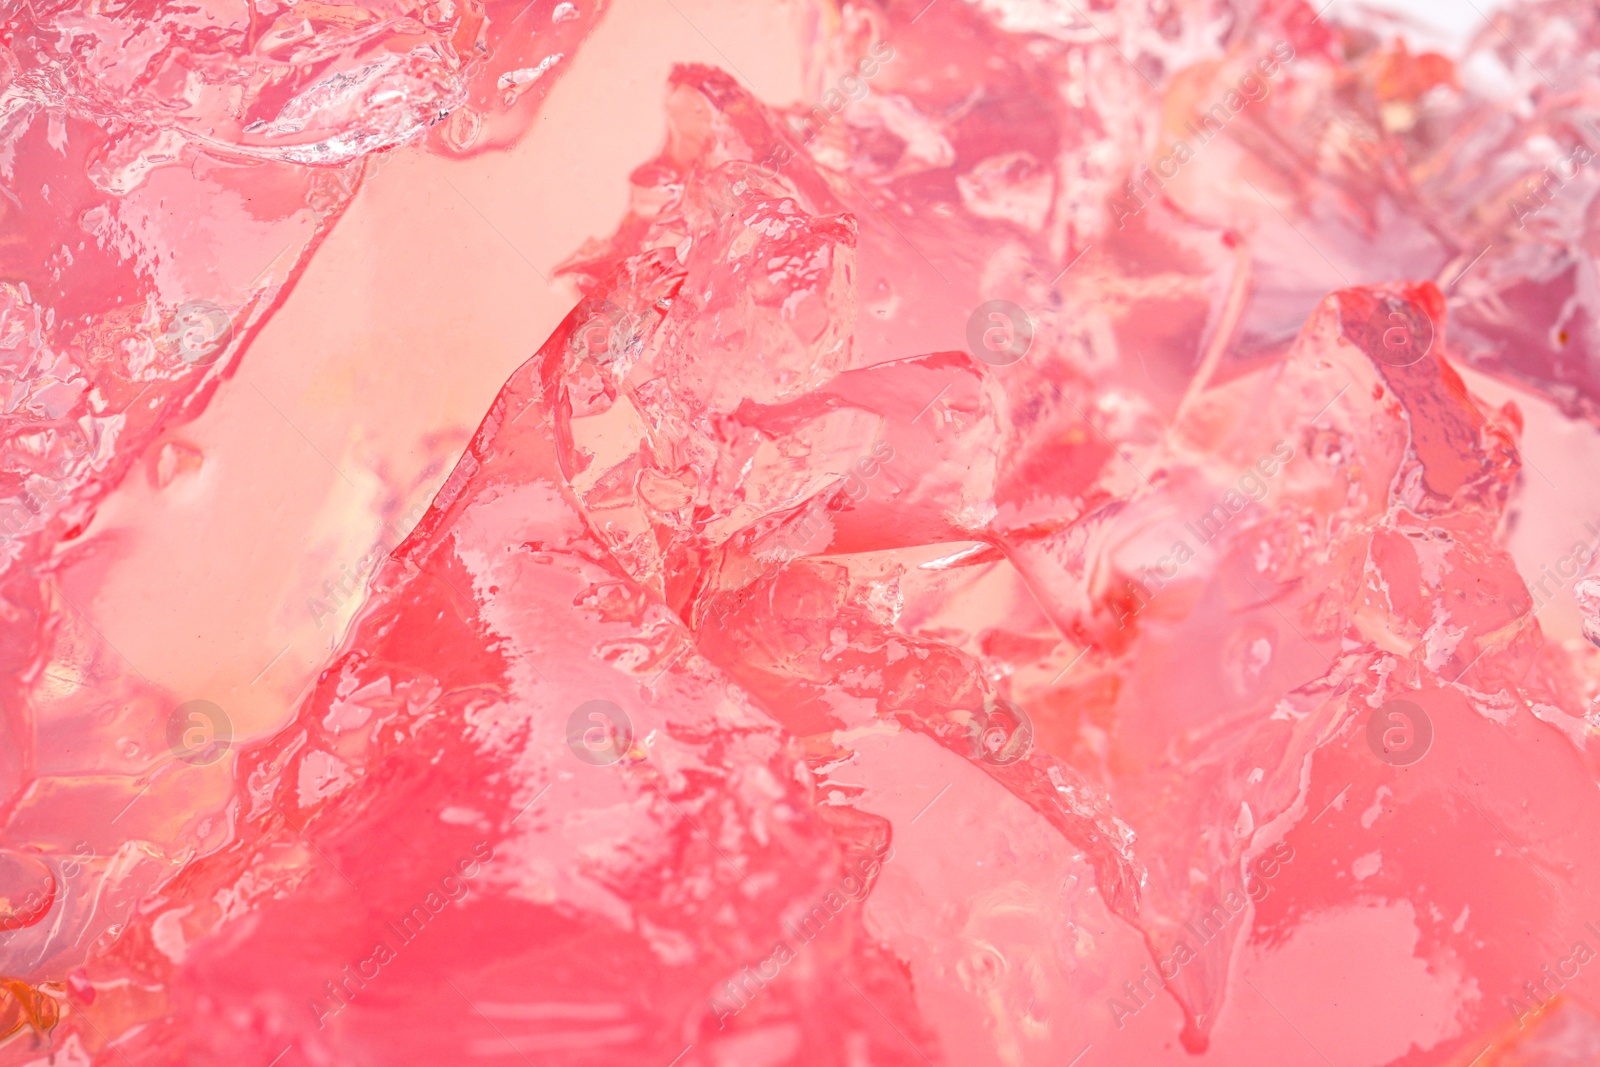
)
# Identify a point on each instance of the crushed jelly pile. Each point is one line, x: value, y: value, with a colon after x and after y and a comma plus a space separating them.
x: 1014, y: 561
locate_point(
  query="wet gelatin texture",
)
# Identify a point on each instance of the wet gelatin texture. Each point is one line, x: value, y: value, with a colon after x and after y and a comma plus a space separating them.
x: 1012, y: 561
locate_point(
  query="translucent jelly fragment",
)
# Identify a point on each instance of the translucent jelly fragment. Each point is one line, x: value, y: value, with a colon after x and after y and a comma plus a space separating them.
x: 461, y: 831
x: 1515, y: 195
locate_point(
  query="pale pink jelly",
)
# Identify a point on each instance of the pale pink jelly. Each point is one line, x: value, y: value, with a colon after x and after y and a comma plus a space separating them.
x: 1011, y: 562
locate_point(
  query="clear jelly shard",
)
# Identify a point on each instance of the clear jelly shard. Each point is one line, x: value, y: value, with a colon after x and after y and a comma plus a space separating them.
x: 1001, y: 566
